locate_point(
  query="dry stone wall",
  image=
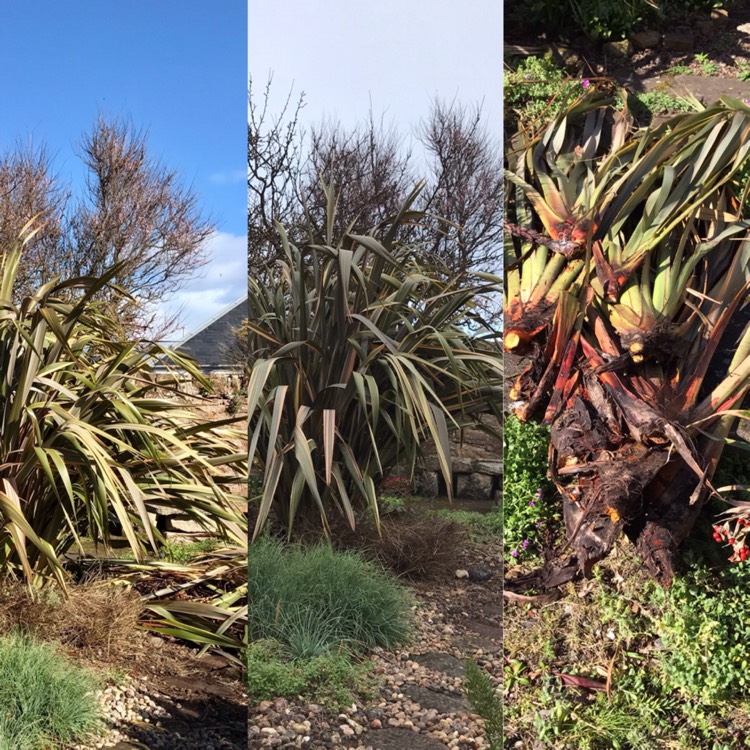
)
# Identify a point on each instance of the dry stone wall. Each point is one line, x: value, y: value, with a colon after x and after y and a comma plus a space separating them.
x: 477, y: 458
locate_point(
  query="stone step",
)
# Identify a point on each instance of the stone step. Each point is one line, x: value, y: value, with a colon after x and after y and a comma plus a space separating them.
x: 440, y: 662
x: 443, y: 703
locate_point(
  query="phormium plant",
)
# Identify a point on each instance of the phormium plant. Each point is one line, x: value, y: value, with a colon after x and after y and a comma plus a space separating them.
x: 91, y: 436
x: 88, y: 434
x: 627, y: 279
x: 359, y: 355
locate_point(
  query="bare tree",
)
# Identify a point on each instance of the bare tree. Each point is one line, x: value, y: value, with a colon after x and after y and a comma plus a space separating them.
x: 287, y: 174
x: 373, y: 172
x: 368, y: 165
x: 134, y: 214
x: 274, y: 163
x: 465, y: 188
x: 29, y: 189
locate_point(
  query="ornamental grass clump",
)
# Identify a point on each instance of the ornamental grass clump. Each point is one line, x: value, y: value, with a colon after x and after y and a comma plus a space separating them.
x: 315, y: 600
x: 45, y: 700
x: 628, y: 272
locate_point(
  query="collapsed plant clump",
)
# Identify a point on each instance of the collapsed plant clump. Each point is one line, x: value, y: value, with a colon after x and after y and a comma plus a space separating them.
x: 627, y: 268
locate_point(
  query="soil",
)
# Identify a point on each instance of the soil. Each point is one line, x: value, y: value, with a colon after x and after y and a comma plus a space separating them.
x: 652, y: 69
x: 209, y: 689
x: 206, y: 693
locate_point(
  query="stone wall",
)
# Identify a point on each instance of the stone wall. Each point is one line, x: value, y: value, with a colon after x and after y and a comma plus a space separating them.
x: 477, y: 459
x: 224, y: 383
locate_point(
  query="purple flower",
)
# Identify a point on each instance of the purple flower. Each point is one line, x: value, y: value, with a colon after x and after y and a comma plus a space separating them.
x: 525, y: 544
x: 539, y: 494
x: 532, y: 503
x: 514, y: 553
x: 585, y: 83
x: 528, y: 76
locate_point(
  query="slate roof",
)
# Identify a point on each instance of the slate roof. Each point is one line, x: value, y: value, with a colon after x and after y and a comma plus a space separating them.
x: 210, y: 343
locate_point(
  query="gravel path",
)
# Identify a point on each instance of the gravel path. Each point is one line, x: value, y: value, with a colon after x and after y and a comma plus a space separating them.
x: 421, y: 703
x: 139, y: 716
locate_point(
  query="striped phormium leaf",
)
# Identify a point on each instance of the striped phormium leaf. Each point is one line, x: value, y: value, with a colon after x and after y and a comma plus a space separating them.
x: 203, y: 602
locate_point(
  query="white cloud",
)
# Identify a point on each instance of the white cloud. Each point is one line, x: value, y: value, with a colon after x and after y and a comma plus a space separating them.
x: 229, y: 176
x: 220, y: 282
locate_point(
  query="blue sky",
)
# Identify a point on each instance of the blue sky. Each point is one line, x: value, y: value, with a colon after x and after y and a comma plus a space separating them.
x: 175, y: 68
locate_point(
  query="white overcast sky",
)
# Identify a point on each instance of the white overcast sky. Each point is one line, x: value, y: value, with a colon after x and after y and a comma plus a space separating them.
x: 348, y: 56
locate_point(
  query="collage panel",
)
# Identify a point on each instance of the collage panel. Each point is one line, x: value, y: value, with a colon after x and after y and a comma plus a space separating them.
x: 375, y: 378
x: 123, y: 458
x: 627, y: 361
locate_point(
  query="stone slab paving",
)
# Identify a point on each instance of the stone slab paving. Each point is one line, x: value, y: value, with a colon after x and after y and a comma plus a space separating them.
x: 443, y: 703
x: 706, y: 89
x: 439, y: 661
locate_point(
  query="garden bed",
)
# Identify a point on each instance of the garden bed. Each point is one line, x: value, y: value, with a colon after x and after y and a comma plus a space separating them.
x: 616, y: 661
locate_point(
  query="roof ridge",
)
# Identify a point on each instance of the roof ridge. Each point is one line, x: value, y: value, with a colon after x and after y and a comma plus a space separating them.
x: 224, y: 311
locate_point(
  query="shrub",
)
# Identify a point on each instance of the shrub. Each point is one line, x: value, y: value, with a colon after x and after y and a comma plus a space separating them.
x: 528, y: 495
x: 600, y: 20
x: 397, y: 485
x: 359, y: 356
x: 313, y: 600
x: 413, y: 545
x: 608, y: 19
x: 44, y: 699
x: 588, y: 328
x: 536, y: 90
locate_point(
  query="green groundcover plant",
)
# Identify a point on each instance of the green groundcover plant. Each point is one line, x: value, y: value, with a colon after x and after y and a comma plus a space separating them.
x: 536, y: 90
x: 528, y: 498
x: 705, y: 628
x: 331, y: 679
x: 676, y: 660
